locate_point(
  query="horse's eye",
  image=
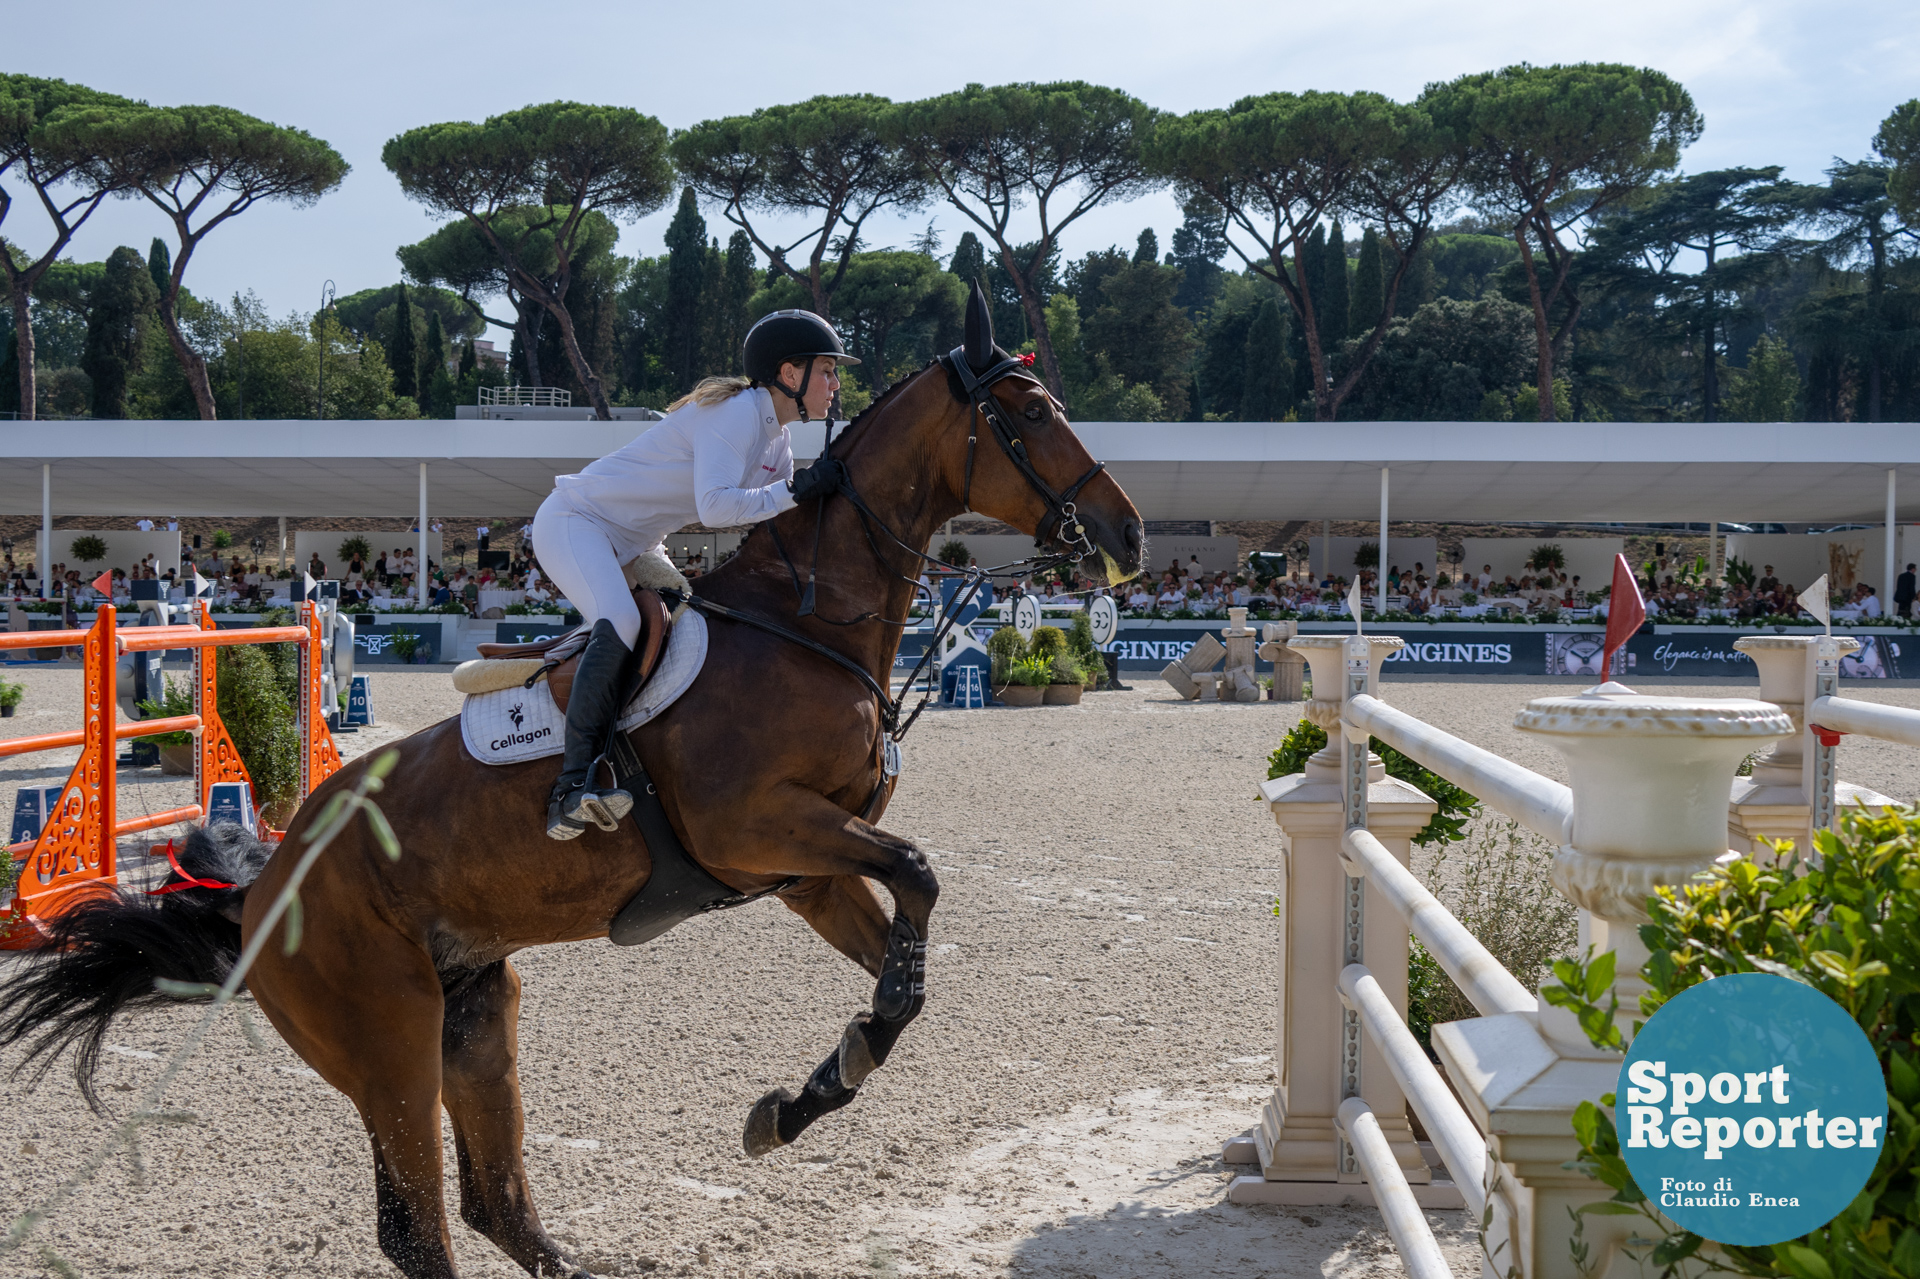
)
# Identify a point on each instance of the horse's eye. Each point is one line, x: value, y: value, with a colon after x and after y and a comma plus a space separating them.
x: 1035, y: 412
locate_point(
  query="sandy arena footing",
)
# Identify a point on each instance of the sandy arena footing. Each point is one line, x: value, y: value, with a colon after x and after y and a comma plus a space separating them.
x: 1101, y: 984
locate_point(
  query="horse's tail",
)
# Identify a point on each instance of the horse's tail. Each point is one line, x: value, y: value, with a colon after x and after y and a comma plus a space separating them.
x: 106, y: 953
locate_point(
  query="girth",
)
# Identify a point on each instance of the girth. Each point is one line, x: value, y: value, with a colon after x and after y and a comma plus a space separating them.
x: 679, y: 887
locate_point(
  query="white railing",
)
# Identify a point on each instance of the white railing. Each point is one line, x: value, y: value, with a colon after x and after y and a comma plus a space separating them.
x: 1541, y: 804
x: 1889, y: 723
x: 1653, y: 800
x: 542, y: 397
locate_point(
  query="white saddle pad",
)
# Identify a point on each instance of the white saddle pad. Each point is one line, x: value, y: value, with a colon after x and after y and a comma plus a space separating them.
x: 513, y: 725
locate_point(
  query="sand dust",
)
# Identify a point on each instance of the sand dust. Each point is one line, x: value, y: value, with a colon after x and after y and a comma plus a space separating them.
x: 1101, y: 989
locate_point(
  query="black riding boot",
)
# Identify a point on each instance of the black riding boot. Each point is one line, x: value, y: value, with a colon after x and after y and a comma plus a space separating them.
x: 592, y: 707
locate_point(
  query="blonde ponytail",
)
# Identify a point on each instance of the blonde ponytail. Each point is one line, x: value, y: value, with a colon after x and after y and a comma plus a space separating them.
x: 711, y: 391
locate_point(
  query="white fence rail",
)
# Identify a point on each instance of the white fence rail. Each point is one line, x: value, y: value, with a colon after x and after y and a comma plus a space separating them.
x: 1654, y: 799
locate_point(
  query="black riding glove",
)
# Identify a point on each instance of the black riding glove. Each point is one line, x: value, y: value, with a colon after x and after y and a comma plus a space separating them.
x: 825, y: 477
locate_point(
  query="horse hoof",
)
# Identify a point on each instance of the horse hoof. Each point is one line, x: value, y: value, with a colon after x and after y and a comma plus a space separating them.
x: 763, y: 1124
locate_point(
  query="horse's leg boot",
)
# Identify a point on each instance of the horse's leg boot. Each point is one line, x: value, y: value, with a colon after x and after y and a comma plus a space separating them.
x: 599, y: 682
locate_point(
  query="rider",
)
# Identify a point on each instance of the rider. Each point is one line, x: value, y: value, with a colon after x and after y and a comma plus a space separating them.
x: 722, y: 455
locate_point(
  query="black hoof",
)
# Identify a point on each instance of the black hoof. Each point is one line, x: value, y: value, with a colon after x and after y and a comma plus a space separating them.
x: 763, y: 1124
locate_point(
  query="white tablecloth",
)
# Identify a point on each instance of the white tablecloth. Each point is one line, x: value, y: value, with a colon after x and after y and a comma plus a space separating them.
x: 500, y: 599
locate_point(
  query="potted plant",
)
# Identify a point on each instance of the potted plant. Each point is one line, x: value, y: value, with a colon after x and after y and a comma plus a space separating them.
x: 1547, y: 557
x: 176, y: 749
x: 405, y: 645
x: 1065, y: 681
x: 1004, y: 647
x: 10, y: 695
x: 1031, y: 677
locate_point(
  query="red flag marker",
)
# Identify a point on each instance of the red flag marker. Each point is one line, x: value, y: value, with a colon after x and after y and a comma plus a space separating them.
x: 104, y: 583
x: 1625, y: 612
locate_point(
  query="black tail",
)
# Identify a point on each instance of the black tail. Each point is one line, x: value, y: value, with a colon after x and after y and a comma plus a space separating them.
x: 105, y: 955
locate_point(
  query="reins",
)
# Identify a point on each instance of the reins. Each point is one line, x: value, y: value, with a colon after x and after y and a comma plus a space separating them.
x: 1061, y: 513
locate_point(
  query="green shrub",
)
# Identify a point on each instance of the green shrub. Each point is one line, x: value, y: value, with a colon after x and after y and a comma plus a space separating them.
x: 355, y: 545
x: 1368, y: 556
x: 1047, y: 641
x: 1034, y: 672
x: 11, y: 693
x: 256, y: 702
x: 1457, y: 807
x: 89, y: 548
x: 954, y: 552
x: 175, y: 699
x: 1004, y: 647
x: 1547, y: 556
x: 222, y: 540
x: 1849, y: 926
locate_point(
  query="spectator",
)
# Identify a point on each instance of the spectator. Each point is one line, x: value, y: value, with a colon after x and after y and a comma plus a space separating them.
x: 1171, y: 595
x: 1903, y: 593
x: 1141, y: 597
x: 1768, y: 582
x: 1867, y: 601
x: 482, y: 533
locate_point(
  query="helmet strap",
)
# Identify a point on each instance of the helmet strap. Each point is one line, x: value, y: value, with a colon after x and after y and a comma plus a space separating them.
x: 798, y: 397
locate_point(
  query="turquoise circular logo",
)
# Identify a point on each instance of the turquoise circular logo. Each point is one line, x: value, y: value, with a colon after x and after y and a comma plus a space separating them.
x: 1751, y: 1109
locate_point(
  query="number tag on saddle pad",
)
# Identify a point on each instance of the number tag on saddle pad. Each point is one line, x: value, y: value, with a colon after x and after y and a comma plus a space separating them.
x: 513, y: 725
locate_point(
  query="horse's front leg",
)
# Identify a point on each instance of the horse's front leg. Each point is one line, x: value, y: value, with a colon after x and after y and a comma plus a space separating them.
x: 837, y: 854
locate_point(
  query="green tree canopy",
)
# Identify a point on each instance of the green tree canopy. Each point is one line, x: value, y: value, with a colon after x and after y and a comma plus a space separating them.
x: 1550, y: 147
x: 68, y: 184
x: 1058, y: 150
x: 201, y: 166
x: 1280, y: 164
x: 1898, y: 142
x: 564, y: 160
x: 826, y: 160
x: 886, y: 291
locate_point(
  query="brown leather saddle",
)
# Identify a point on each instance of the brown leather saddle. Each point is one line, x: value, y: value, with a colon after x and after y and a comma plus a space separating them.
x: 560, y: 654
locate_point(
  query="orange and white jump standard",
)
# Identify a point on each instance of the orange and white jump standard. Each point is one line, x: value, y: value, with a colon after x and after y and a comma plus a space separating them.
x: 75, y: 854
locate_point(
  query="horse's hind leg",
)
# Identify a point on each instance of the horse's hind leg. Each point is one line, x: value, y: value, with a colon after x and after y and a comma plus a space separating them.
x: 481, y: 1089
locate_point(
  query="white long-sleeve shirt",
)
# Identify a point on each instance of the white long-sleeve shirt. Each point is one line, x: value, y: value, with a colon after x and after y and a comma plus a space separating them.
x: 724, y: 465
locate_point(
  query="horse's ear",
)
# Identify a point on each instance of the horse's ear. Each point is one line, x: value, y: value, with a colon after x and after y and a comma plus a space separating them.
x: 979, y: 329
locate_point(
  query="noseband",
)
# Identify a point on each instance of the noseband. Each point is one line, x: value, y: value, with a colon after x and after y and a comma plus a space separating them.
x: 1068, y: 529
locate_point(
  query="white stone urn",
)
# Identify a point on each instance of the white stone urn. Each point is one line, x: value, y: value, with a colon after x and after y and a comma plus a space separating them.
x: 1650, y: 776
x: 1327, y: 658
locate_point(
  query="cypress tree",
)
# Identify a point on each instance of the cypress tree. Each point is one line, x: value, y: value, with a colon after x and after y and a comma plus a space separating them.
x: 969, y: 260
x: 1369, y: 287
x: 738, y: 293
x: 433, y: 366
x: 686, y: 273
x: 716, y: 328
x: 469, y: 359
x: 1147, y: 248
x: 403, y: 353
x: 1418, y: 286
x: 1336, y: 288
x: 1267, y: 389
x: 160, y: 265
x: 121, y: 304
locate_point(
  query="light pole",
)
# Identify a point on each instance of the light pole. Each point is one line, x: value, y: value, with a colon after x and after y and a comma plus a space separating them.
x: 320, y: 323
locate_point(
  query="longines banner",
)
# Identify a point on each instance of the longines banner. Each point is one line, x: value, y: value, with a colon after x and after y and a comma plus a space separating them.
x: 1500, y: 650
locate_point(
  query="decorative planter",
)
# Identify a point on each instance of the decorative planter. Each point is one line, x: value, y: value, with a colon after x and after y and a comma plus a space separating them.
x: 1063, y: 694
x: 176, y: 759
x: 6, y: 712
x: 1022, y: 695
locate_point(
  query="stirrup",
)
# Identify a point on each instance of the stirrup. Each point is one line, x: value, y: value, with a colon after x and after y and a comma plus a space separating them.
x: 559, y: 825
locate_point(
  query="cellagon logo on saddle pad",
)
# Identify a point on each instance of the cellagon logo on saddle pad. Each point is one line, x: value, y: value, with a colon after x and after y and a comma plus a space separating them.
x: 1751, y: 1109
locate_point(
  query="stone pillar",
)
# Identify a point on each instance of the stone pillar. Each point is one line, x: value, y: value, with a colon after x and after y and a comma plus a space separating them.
x: 1237, y: 682
x: 1776, y: 802
x: 1297, y: 1144
x: 1288, y: 665
x: 1647, y: 775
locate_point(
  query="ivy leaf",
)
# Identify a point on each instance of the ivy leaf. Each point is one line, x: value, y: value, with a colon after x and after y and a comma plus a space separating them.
x: 1676, y: 1248
x: 1801, y: 1261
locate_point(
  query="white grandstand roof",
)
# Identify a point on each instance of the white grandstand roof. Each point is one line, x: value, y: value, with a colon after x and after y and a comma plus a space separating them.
x: 1440, y: 471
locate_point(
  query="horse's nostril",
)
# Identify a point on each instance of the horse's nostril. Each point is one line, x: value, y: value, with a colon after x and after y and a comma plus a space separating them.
x: 1131, y: 535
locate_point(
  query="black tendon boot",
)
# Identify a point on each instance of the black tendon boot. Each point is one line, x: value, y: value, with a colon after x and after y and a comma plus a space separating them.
x: 592, y: 707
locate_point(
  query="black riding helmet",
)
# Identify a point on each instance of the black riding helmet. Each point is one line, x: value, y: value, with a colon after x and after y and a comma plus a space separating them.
x: 790, y: 335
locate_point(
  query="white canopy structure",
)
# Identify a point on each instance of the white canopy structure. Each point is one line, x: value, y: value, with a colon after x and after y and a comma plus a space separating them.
x: 1438, y: 471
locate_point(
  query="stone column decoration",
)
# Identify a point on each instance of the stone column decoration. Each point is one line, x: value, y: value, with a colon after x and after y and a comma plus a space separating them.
x: 1288, y: 664
x: 1237, y: 682
x: 1647, y: 774
x: 1777, y: 801
x: 1297, y: 1144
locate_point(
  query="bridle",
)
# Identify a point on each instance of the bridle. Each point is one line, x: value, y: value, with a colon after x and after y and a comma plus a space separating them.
x: 1062, y: 515
x: 1061, y: 512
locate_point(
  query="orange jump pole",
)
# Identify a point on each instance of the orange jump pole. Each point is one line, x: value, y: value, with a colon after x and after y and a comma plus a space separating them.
x: 75, y: 852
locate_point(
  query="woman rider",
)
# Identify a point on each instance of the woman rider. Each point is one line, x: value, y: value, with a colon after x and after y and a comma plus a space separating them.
x: 722, y: 456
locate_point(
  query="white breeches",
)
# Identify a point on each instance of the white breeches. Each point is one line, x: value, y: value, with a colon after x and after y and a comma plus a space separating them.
x: 579, y: 556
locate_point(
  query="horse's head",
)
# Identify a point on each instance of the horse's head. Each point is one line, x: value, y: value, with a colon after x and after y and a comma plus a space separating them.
x: 1025, y: 465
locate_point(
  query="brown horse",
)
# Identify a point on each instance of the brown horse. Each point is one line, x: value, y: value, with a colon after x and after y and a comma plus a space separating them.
x: 402, y: 994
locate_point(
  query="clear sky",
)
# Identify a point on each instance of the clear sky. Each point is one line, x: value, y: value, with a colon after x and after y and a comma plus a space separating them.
x: 1787, y: 82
